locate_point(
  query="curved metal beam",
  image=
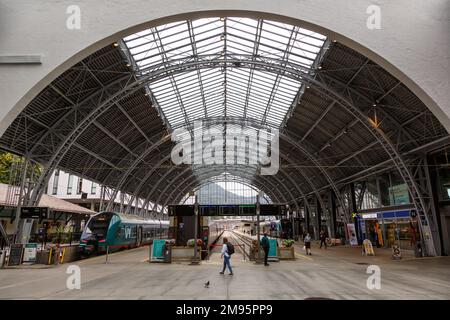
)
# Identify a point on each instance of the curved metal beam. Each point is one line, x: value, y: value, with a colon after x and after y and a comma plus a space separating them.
x: 147, y: 176
x: 268, y: 65
x: 194, y: 181
x: 214, y: 172
x: 129, y: 84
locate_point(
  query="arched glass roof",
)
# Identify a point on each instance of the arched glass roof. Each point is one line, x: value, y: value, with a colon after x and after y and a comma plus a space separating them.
x: 227, y: 91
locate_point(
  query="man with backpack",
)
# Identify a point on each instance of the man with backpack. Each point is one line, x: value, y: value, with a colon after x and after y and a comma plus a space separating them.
x: 265, y: 244
x: 227, y: 251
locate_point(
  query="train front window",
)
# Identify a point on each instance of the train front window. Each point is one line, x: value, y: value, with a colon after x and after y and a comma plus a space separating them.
x: 98, y: 226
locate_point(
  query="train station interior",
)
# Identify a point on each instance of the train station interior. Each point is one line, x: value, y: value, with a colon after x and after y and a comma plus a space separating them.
x: 313, y: 138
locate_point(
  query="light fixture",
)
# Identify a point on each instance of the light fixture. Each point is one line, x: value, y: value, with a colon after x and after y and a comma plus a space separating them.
x: 116, y: 44
x: 320, y: 67
x: 128, y: 65
x: 222, y: 19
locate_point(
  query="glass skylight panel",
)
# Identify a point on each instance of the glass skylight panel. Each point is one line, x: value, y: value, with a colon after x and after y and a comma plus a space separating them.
x: 195, y: 94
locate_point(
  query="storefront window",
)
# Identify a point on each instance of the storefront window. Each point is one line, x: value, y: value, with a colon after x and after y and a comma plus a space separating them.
x: 399, y: 232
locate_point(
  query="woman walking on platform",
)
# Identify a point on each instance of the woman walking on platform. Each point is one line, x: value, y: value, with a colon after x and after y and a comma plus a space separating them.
x: 307, y: 241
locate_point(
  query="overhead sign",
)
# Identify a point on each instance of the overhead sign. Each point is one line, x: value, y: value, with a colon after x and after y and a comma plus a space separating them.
x: 228, y: 210
x: 34, y: 213
x: 181, y: 210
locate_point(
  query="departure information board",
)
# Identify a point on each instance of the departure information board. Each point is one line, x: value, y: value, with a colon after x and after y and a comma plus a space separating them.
x: 181, y: 210
x: 228, y: 210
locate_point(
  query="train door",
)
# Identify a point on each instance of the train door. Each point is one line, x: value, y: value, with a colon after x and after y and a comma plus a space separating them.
x: 138, y: 236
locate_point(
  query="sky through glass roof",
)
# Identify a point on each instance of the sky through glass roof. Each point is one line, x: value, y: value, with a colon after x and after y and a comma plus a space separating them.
x: 227, y: 91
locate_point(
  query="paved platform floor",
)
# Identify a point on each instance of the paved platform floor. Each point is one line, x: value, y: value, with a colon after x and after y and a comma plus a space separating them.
x: 336, y: 273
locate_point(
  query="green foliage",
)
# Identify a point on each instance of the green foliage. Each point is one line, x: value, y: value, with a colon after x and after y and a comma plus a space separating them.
x: 8, y: 161
x: 288, y: 243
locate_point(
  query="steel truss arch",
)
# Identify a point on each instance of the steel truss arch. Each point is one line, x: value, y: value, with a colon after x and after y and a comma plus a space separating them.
x: 192, y: 180
x: 343, y: 98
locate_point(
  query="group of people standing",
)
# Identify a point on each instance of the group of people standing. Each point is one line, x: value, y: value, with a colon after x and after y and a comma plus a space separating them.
x: 228, y: 249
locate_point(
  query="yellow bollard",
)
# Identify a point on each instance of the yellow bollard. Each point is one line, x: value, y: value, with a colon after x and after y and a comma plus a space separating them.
x: 50, y: 256
x: 63, y: 253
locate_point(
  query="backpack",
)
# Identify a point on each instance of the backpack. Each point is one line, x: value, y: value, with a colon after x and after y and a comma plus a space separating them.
x: 230, y: 248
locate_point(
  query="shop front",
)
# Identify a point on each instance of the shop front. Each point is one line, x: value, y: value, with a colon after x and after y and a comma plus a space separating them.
x: 389, y: 228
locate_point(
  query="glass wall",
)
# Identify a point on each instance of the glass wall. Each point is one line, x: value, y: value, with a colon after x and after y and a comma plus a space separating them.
x: 392, y: 191
x: 226, y: 192
x: 398, y: 191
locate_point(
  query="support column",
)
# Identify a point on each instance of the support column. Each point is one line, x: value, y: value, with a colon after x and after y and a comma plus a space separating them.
x: 307, y: 222
x: 196, y: 207
x: 354, y: 209
x: 436, y: 221
x: 102, y: 194
x: 258, y: 236
x: 332, y: 205
x: 122, y: 200
x: 318, y: 218
x: 19, y: 202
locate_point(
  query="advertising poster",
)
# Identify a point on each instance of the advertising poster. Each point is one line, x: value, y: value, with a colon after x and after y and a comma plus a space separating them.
x: 157, y: 250
x: 273, y: 248
x: 30, y: 252
x: 352, y: 234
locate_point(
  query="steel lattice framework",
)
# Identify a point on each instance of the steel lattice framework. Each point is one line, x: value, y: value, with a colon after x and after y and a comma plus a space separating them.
x: 341, y: 117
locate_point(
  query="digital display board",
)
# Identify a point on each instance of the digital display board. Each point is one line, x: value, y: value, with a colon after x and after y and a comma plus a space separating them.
x: 228, y: 210
x: 181, y: 210
x: 209, y: 211
x: 34, y: 213
x: 248, y: 210
x: 269, y: 210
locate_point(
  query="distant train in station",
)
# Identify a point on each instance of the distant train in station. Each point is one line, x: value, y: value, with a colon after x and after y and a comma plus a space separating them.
x: 119, y: 231
x: 275, y: 228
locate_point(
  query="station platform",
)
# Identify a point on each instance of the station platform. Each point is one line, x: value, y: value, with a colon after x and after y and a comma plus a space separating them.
x: 335, y: 273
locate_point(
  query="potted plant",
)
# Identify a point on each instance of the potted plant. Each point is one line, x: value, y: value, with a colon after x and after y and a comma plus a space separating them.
x: 191, y: 242
x: 288, y: 243
x: 286, y: 251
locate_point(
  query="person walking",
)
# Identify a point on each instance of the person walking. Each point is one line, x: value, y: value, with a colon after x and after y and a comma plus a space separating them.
x: 265, y: 244
x: 227, y: 251
x: 323, y: 239
x: 307, y: 241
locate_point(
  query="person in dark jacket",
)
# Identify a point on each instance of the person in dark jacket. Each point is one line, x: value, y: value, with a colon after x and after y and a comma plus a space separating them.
x: 265, y: 244
x: 323, y: 238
